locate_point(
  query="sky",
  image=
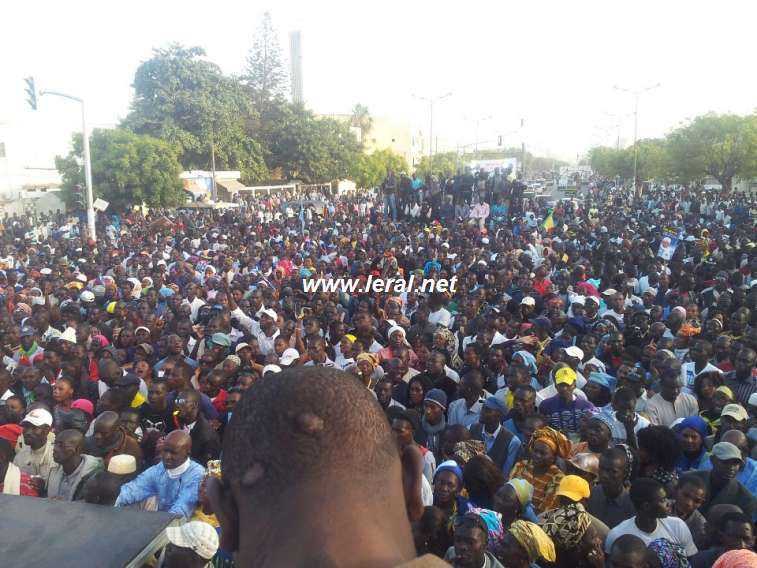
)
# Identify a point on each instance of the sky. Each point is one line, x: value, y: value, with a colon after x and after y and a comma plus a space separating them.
x: 556, y: 65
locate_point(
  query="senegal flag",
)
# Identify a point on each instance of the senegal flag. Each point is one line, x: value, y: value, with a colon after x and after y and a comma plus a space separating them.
x: 549, y: 222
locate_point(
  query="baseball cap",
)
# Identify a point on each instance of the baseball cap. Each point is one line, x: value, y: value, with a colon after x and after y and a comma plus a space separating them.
x: 610, y: 292
x: 87, y: 297
x: 221, y: 339
x: 565, y: 375
x: 271, y: 369
x: 575, y: 352
x: 270, y: 313
x: 528, y: 301
x: 198, y: 536
x: 68, y: 335
x: 752, y: 399
x: 726, y: 451
x: 574, y: 488
x: 498, y: 404
x: 438, y: 397
x: 38, y: 417
x: 122, y: 464
x: 147, y: 348
x: 289, y: 356
x: 27, y: 331
x: 84, y: 405
x: 735, y: 411
x: 241, y: 346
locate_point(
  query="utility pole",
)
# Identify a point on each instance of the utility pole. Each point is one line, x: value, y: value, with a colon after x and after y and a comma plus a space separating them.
x: 636, y: 94
x: 431, y: 100
x: 87, y: 161
x: 522, y: 152
x: 213, y: 190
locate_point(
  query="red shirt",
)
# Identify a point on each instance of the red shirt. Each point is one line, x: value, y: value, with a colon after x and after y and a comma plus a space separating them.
x: 219, y: 402
x: 27, y: 489
x: 541, y: 286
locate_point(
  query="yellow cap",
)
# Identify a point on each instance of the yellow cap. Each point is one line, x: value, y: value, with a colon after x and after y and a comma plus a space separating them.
x: 111, y: 309
x: 566, y: 375
x: 574, y: 488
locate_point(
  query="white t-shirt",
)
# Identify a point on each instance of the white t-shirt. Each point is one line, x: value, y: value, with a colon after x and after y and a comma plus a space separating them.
x: 689, y: 374
x: 440, y: 317
x: 670, y: 528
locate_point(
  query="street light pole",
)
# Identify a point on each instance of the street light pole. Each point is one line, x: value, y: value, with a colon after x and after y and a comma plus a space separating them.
x: 431, y: 100
x: 636, y: 95
x: 87, y: 162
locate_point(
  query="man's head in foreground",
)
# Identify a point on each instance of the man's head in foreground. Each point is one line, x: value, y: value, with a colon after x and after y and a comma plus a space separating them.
x: 311, y: 475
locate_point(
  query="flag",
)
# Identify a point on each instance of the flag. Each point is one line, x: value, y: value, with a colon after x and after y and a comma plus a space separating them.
x: 549, y: 223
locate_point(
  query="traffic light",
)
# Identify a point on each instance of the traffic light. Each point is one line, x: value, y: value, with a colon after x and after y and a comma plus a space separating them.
x: 31, y: 92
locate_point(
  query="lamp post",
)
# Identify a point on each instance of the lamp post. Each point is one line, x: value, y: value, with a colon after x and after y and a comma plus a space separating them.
x: 636, y: 94
x: 476, y: 122
x: 87, y: 161
x: 431, y: 100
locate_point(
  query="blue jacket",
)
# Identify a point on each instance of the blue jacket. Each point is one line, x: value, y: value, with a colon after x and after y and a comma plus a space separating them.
x: 178, y: 496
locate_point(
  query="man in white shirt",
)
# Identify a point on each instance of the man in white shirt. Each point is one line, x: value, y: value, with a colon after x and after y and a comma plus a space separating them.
x: 265, y: 332
x: 700, y: 354
x: 670, y: 403
x: 652, y: 521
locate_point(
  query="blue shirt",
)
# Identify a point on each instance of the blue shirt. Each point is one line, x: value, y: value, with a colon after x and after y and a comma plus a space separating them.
x: 459, y: 413
x: 178, y: 496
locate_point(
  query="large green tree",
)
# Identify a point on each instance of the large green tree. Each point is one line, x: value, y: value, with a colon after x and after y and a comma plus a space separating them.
x: 303, y: 146
x: 127, y: 169
x: 265, y: 74
x: 361, y: 119
x: 723, y: 146
x: 370, y: 169
x: 187, y: 101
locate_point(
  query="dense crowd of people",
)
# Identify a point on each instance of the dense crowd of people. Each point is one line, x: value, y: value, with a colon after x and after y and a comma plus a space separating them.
x: 586, y: 397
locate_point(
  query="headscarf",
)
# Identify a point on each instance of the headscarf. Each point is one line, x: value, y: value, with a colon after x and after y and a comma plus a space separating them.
x: 370, y: 357
x: 394, y: 329
x: 566, y: 525
x: 554, y: 439
x: 525, y: 493
x: 25, y: 308
x: 466, y: 450
x: 696, y: 423
x: 670, y: 555
x: 742, y: 558
x: 451, y: 466
x: 534, y: 541
x: 495, y: 530
x: 528, y: 360
x: 136, y: 291
x: 629, y: 463
x: 450, y: 346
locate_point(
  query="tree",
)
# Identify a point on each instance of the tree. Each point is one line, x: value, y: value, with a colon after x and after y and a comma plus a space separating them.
x: 444, y: 164
x: 652, y: 160
x: 611, y: 162
x: 127, y: 169
x: 265, y: 75
x: 309, y: 148
x: 187, y: 101
x: 361, y: 119
x: 722, y: 146
x: 370, y: 169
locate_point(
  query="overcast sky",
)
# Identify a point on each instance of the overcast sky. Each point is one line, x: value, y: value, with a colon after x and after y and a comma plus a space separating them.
x: 554, y: 64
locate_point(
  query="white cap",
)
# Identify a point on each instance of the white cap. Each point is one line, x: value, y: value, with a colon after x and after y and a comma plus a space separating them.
x: 271, y: 369
x: 68, y: 335
x: 445, y: 245
x: 39, y: 417
x: 752, y: 399
x: 528, y: 301
x: 198, y: 536
x: 240, y: 346
x: 592, y: 299
x: 87, y: 297
x: 122, y: 464
x: 270, y: 313
x: 610, y: 292
x: 289, y: 356
x: 82, y: 278
x: 46, y: 271
x: 485, y: 241
x: 574, y: 351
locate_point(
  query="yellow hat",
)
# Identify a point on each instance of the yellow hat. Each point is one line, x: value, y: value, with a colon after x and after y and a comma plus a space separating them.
x: 574, y: 488
x: 726, y: 391
x: 351, y: 338
x: 565, y: 375
x: 111, y: 309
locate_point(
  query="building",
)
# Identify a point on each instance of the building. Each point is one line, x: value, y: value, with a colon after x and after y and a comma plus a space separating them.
x: 295, y: 67
x: 388, y: 134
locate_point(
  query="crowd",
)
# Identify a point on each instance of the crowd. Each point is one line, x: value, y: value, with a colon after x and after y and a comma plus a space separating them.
x: 587, y: 396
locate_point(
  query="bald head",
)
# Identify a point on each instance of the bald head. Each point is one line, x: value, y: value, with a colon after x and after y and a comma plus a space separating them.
x: 176, y: 449
x: 738, y: 439
x: 73, y: 437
